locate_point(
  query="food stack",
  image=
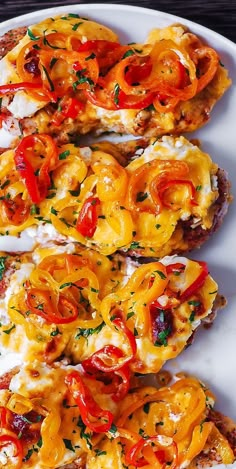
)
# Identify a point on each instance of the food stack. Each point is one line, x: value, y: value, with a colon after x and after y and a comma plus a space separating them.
x: 98, y: 294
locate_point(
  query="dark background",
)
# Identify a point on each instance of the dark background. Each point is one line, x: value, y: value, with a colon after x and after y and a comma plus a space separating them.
x: 218, y: 15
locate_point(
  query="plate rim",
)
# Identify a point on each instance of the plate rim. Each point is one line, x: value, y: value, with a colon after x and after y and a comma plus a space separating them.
x: 211, y: 35
x: 118, y: 7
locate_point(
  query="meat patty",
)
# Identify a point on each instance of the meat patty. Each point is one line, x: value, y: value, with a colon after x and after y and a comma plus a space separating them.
x: 11, y: 39
x: 196, y: 236
x: 186, y: 117
x: 193, y: 234
x: 225, y: 425
x: 6, y: 378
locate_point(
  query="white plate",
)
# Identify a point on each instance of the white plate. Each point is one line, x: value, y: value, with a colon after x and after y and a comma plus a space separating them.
x: 212, y: 356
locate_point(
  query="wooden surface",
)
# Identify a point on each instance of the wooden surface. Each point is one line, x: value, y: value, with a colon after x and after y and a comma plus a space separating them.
x: 219, y: 15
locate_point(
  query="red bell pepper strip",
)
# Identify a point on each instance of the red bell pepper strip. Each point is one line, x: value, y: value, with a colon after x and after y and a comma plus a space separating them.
x: 37, y: 186
x: 16, y: 210
x: 198, y: 283
x: 14, y: 87
x: 107, y: 53
x: 120, y: 385
x: 132, y: 456
x: 88, y: 217
x: 127, y: 332
x: 27, y: 86
x: 109, y: 353
x: 69, y: 108
x: 117, y: 99
x: 119, y: 378
x: 137, y: 73
x: 176, y: 268
x: 89, y: 409
x: 3, y: 417
x: 9, y: 441
x: 98, y: 46
x: 124, y: 101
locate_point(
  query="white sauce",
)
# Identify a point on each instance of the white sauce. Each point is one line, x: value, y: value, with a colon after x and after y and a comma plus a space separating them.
x: 24, y: 106
x: 8, y: 361
x: 5, y: 71
x: 6, y: 137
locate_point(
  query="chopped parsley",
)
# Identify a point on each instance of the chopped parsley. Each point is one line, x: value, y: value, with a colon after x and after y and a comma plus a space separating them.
x: 73, y: 15
x: 113, y: 429
x: 68, y: 445
x: 192, y: 316
x: 129, y: 315
x: 8, y: 331
x: 34, y: 210
x: 28, y: 455
x: 55, y: 333
x: 99, y: 452
x: 141, y: 196
x: 45, y: 220
x: 86, y: 436
x: 146, y: 407
x: 2, y: 266
x: 128, y: 53
x: 5, y: 184
x: 150, y: 108
x: 91, y: 56
x: 47, y: 43
x: 162, y: 338
x: 48, y: 78
x: 54, y: 211
x: 32, y: 36
x: 160, y: 273
x: 52, y: 62
x: 64, y: 154
x: 76, y: 25
x: 82, y: 80
x: 194, y: 303
x: 134, y: 245
x: 75, y: 193
x: 87, y: 332
x: 116, y: 93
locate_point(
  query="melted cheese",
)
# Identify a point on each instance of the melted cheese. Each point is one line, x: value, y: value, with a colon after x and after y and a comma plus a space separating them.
x: 120, y: 224
x: 43, y: 387
x: 23, y: 105
x: 39, y: 338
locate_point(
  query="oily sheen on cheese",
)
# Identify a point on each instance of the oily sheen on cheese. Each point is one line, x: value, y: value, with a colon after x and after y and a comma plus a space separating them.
x: 80, y: 320
x: 103, y: 289
x: 34, y: 113
x: 176, y: 418
x: 22, y: 104
x: 133, y: 213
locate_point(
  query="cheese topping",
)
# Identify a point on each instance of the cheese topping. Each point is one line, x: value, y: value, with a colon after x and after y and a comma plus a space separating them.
x: 140, y: 207
x: 161, y: 330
